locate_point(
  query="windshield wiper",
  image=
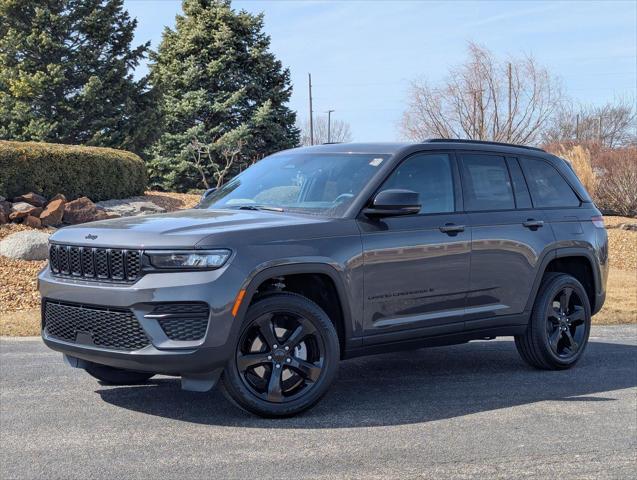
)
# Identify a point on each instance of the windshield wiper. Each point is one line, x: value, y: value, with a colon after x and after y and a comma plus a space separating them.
x: 260, y: 207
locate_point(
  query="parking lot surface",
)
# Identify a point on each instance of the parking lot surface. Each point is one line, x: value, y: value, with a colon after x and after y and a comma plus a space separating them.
x: 455, y: 412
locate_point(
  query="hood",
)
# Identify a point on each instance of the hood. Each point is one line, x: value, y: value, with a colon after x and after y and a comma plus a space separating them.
x: 182, y: 229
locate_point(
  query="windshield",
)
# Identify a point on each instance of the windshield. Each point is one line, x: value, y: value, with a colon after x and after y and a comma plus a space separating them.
x: 316, y: 183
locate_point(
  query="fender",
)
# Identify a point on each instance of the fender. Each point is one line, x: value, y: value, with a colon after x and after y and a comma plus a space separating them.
x: 260, y: 275
x: 562, y: 253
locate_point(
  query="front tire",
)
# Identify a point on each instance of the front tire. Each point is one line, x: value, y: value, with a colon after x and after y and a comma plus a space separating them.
x: 116, y: 376
x: 560, y: 324
x: 285, y: 359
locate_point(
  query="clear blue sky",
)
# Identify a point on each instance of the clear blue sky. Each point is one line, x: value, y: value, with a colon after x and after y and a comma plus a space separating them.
x: 362, y: 54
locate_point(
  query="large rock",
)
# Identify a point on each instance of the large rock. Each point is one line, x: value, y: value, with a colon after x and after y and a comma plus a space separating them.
x: 4, y: 218
x: 5, y: 207
x: 26, y: 245
x: 31, y: 198
x: 58, y: 196
x: 24, y: 209
x: 33, y: 222
x: 129, y: 207
x: 53, y: 213
x: 82, y: 210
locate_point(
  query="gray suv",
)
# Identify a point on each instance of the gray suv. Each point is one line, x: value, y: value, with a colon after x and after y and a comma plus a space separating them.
x: 324, y: 253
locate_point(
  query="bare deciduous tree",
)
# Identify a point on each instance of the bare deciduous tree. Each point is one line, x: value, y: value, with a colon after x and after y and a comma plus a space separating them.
x: 611, y: 125
x: 339, y: 131
x: 214, y: 161
x: 484, y: 99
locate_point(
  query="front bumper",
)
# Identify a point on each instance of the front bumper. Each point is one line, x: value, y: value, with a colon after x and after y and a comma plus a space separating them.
x: 217, y: 288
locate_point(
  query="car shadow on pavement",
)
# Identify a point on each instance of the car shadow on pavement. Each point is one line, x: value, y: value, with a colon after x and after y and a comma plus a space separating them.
x: 408, y: 387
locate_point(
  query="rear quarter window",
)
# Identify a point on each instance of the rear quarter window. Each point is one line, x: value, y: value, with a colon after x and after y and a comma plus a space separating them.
x: 547, y: 186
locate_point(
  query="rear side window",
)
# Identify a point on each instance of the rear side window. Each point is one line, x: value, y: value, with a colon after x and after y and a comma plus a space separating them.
x: 430, y: 176
x: 486, y: 183
x: 548, y: 188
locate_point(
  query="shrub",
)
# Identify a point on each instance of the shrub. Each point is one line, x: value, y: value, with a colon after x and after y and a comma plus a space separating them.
x: 580, y: 159
x: 49, y: 168
x: 617, y: 181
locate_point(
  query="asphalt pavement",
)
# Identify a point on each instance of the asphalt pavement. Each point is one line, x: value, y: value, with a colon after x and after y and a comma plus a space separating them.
x: 466, y: 411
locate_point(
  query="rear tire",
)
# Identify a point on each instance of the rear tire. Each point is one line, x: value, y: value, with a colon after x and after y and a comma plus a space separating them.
x: 560, y: 323
x: 116, y: 376
x: 285, y: 359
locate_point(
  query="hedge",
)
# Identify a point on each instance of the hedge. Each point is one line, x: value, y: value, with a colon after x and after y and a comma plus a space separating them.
x: 50, y: 168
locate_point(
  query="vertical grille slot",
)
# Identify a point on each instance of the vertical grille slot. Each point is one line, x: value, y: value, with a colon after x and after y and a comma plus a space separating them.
x: 63, y: 257
x: 75, y: 265
x: 87, y: 262
x: 103, y: 264
x: 53, y: 259
x: 116, y: 262
x: 133, y: 264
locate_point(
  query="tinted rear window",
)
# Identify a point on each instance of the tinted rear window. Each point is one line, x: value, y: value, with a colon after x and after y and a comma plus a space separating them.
x: 486, y: 183
x: 548, y: 188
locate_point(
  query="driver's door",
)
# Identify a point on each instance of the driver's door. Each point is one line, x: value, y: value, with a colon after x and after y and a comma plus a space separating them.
x: 416, y: 267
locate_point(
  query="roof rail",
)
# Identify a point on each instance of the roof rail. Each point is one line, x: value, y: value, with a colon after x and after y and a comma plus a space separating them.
x: 481, y: 142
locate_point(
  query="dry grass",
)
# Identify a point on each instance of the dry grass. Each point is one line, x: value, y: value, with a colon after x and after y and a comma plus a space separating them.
x: 580, y: 159
x: 19, y: 299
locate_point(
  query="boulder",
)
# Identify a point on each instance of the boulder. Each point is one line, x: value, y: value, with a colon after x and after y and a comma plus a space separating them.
x: 82, y: 210
x: 26, y: 245
x: 33, y: 222
x: 129, y: 207
x: 23, y: 209
x: 53, y: 213
x: 59, y: 196
x: 5, y: 207
x: 31, y: 198
x: 4, y: 218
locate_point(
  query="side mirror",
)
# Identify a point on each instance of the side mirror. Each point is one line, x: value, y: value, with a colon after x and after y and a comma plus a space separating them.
x: 389, y: 203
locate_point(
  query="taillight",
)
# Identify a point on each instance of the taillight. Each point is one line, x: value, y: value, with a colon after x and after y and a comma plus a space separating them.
x: 598, y: 221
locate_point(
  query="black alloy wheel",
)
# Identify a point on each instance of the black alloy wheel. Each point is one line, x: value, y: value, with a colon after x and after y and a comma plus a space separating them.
x: 566, y: 327
x: 559, y: 326
x: 285, y: 358
x: 280, y: 356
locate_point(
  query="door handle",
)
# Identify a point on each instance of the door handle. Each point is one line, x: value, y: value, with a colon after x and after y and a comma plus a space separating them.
x: 533, y: 224
x: 451, y: 228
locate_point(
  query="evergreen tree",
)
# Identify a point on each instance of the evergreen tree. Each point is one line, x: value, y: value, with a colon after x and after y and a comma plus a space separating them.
x: 66, y: 74
x: 223, y: 93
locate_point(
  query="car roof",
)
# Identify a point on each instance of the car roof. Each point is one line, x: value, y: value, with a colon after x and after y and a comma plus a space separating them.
x: 399, y: 147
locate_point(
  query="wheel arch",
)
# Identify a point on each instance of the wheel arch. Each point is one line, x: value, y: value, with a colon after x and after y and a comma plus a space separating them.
x: 342, y: 320
x: 578, y: 262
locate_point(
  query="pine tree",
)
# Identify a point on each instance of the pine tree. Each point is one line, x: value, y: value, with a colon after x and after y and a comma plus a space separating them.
x: 224, y: 97
x: 66, y: 74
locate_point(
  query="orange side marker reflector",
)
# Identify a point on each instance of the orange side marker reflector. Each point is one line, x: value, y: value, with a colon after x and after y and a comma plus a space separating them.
x: 237, y: 302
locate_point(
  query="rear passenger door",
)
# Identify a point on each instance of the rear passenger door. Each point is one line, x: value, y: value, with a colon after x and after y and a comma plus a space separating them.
x: 508, y: 238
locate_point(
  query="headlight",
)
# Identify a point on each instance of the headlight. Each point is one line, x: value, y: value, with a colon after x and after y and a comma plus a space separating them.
x: 193, y: 260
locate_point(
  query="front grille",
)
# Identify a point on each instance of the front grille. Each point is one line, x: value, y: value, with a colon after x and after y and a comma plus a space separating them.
x: 182, y: 321
x: 117, y: 329
x: 101, y: 264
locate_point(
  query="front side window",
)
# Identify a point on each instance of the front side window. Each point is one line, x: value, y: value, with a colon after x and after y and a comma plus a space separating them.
x: 548, y: 188
x: 429, y: 175
x: 486, y: 183
x: 314, y: 183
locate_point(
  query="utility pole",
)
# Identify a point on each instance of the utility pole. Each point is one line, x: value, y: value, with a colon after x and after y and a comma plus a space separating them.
x: 577, y: 127
x: 329, y: 126
x: 309, y: 77
x: 509, y: 122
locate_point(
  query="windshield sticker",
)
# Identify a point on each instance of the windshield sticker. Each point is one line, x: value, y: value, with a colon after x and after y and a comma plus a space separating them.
x: 375, y: 162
